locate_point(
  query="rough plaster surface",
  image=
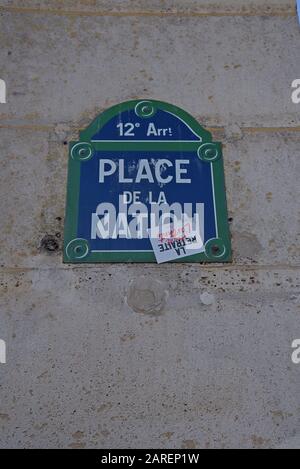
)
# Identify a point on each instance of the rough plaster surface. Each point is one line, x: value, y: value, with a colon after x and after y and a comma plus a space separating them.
x: 73, y: 66
x: 81, y: 362
x: 130, y: 6
x: 130, y: 355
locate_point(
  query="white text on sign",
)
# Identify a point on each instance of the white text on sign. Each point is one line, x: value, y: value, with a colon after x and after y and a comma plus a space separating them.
x: 112, y: 222
x: 127, y: 129
x: 143, y: 172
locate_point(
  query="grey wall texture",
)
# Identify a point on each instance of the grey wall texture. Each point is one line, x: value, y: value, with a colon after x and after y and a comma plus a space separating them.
x: 92, y: 362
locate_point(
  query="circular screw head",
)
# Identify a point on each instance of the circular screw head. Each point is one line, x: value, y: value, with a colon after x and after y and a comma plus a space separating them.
x: 215, y: 249
x: 145, y: 109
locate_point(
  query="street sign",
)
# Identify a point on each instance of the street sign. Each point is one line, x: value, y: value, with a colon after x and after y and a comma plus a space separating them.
x: 146, y: 184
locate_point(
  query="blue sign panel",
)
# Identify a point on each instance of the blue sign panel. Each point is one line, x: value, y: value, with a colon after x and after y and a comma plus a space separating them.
x: 139, y: 167
x: 128, y: 126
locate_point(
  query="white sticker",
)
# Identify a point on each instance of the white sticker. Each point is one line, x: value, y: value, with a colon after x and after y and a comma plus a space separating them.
x: 175, y: 242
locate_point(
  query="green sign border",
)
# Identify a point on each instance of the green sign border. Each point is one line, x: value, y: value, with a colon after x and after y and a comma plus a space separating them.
x: 77, y: 250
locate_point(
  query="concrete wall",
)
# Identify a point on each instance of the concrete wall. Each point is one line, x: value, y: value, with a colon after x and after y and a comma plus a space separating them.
x: 85, y: 369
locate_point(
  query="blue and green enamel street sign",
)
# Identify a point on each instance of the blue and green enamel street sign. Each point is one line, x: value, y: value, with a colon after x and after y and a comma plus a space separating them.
x: 137, y: 158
